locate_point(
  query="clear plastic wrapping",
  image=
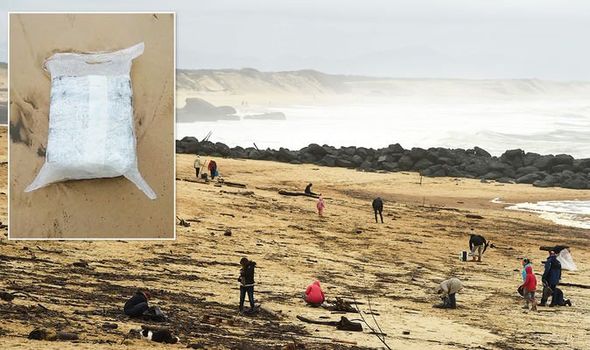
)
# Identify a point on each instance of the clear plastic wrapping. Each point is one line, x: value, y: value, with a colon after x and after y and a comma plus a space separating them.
x: 91, y: 119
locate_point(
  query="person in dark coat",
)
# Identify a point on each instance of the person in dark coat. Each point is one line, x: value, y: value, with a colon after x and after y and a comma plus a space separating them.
x: 137, y: 305
x: 551, y: 277
x: 308, y: 190
x: 477, y: 243
x: 246, y: 280
x: 378, y: 208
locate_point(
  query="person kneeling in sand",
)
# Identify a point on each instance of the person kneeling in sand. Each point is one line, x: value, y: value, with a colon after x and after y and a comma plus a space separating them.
x: 448, y: 289
x: 529, y: 287
x: 314, y: 295
x: 137, y: 305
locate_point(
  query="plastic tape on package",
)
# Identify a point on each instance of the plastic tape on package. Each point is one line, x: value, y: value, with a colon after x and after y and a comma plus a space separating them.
x: 91, y: 119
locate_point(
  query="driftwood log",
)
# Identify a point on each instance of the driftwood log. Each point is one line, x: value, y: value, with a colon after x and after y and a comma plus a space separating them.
x: 556, y: 248
x: 344, y: 324
x: 289, y: 193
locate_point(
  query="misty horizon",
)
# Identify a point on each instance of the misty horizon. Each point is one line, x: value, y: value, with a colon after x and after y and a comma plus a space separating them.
x: 457, y: 39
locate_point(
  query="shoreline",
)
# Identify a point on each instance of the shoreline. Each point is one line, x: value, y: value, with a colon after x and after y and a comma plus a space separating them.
x: 513, y: 166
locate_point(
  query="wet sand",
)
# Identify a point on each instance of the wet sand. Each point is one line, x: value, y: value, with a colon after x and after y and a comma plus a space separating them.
x: 396, y: 266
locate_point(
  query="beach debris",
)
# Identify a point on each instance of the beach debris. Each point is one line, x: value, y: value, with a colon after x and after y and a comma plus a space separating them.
x: 50, y: 335
x: 290, y: 193
x: 183, y: 222
x: 109, y: 325
x: 81, y: 264
x: 6, y: 296
x: 2, y: 225
x: 234, y: 184
x: 473, y: 216
x: 406, y: 332
x: 340, y: 305
x: 343, y: 325
x: 227, y: 232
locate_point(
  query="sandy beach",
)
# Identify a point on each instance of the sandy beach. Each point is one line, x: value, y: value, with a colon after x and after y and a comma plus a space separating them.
x: 395, y: 266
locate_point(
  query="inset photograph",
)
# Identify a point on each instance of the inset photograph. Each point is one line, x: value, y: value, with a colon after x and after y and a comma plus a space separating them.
x: 91, y: 125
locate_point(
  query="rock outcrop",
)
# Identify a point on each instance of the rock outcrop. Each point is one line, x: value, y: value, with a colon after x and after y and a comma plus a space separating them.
x: 513, y: 166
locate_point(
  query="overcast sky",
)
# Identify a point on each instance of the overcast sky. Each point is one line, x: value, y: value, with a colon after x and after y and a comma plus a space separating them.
x: 414, y: 38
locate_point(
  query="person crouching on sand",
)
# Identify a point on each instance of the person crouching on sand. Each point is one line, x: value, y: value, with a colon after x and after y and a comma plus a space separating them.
x: 246, y: 280
x: 448, y: 289
x: 314, y: 295
x: 321, y: 206
x: 529, y: 287
x: 137, y: 305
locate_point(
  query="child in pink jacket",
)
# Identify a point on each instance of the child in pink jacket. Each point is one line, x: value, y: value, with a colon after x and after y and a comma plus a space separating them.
x: 321, y: 206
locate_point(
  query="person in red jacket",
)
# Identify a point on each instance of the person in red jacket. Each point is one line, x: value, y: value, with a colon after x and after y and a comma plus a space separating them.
x: 529, y: 287
x: 314, y: 295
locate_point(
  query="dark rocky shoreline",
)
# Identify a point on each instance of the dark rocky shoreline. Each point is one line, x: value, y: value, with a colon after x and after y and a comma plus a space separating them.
x: 513, y: 166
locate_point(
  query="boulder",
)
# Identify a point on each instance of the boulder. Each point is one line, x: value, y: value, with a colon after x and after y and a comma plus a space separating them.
x: 548, y: 181
x: 492, y: 175
x: 528, y: 178
x: 316, y: 150
x: 480, y: 152
x: 514, y: 157
x: 530, y: 158
x: 577, y: 181
x: 340, y: 162
x: 390, y: 166
x: 222, y: 149
x: 422, y: 164
x: 405, y: 162
x: 417, y: 153
x: 526, y: 170
x: 328, y: 160
x: 356, y: 160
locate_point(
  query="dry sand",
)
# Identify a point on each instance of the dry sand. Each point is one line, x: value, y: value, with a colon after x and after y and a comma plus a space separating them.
x: 396, y: 265
x: 86, y: 208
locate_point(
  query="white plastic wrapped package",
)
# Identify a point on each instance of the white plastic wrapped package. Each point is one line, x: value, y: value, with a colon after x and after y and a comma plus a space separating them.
x: 566, y: 260
x: 91, y: 119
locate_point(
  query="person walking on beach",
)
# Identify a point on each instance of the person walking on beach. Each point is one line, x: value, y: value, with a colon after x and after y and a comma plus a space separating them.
x: 212, y: 168
x: 551, y: 277
x: 246, y: 280
x: 477, y: 243
x: 448, y: 290
x: 308, y: 190
x: 525, y: 262
x: 314, y: 295
x: 529, y: 287
x: 198, y: 165
x: 321, y: 206
x: 378, y: 208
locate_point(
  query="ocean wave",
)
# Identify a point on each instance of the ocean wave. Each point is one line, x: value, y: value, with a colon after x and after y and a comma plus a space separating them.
x: 572, y: 213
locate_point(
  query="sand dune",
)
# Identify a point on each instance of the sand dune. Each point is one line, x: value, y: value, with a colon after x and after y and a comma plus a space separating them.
x: 395, y: 265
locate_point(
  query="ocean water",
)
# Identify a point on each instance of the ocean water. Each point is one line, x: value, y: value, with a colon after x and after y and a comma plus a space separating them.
x: 544, y: 127
x: 574, y: 213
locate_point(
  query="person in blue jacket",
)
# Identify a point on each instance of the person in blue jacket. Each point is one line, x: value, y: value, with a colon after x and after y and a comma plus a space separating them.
x: 551, y: 277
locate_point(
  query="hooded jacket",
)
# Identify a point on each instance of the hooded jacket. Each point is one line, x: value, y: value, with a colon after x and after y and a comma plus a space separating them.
x: 136, y: 299
x: 530, y: 282
x: 552, y: 273
x: 247, y: 274
x: 378, y: 204
x: 523, y: 272
x: 450, y: 286
x: 314, y: 293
